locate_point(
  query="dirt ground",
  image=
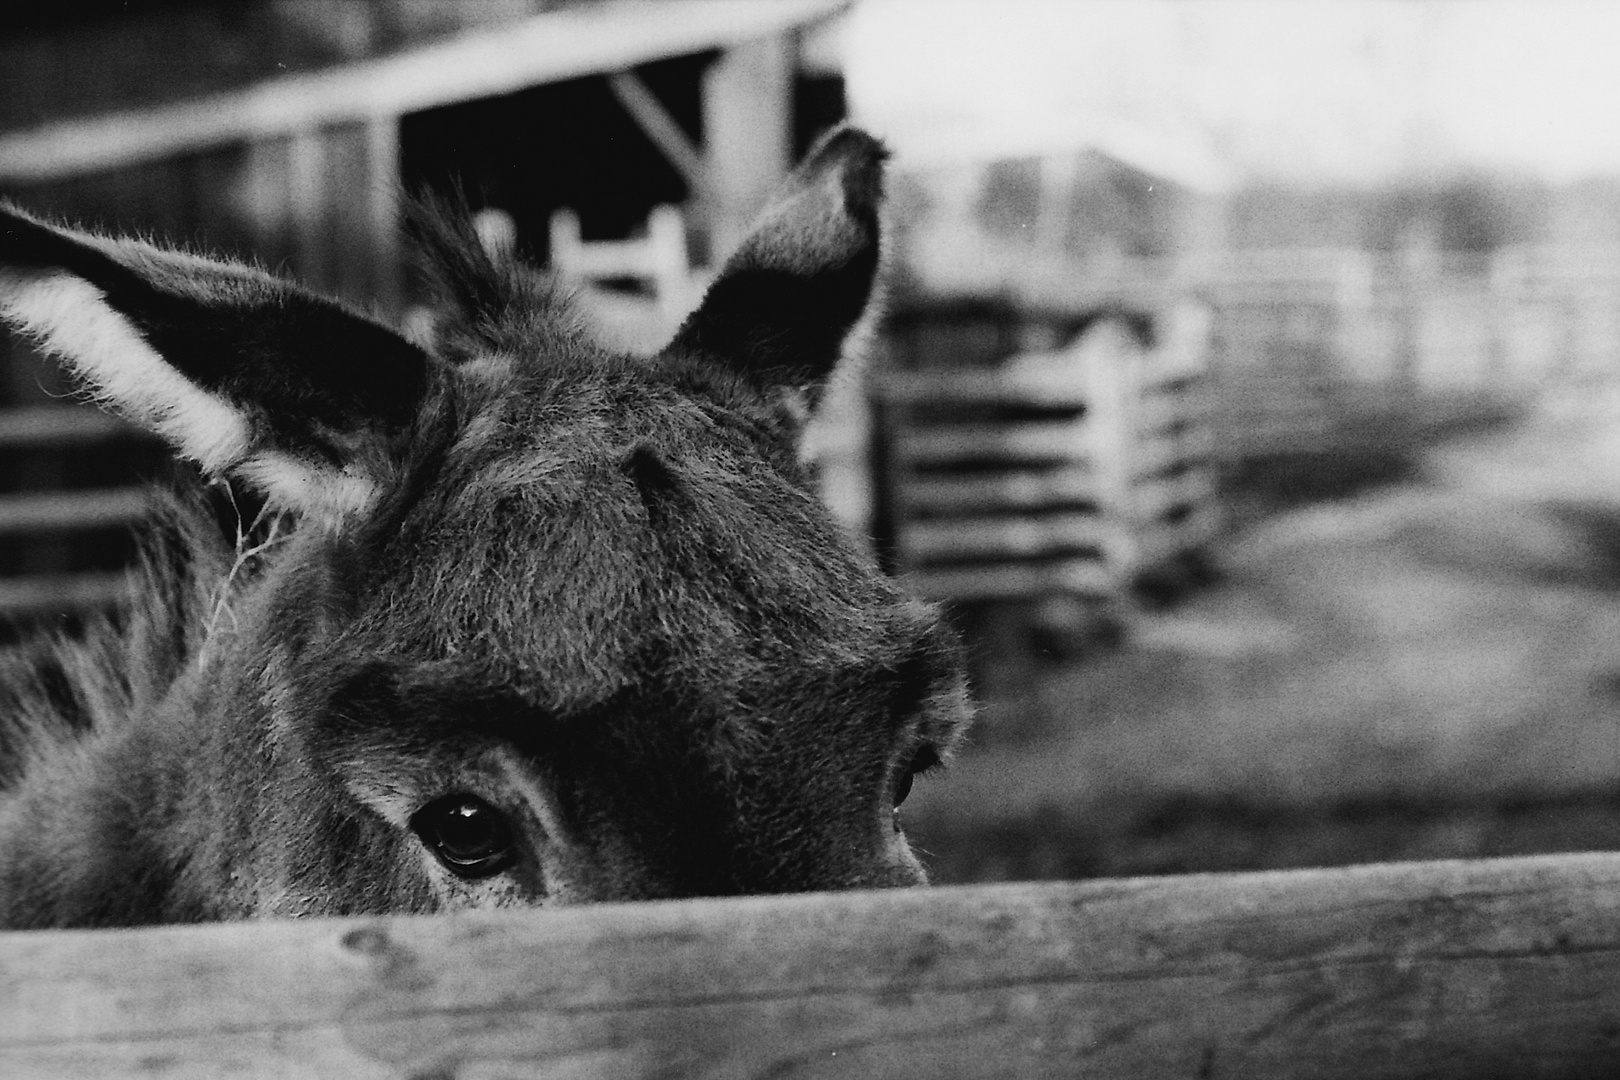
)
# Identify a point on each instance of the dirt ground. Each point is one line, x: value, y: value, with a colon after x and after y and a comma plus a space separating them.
x: 1425, y: 667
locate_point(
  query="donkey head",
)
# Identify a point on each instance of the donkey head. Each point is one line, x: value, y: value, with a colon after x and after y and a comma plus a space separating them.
x: 552, y: 624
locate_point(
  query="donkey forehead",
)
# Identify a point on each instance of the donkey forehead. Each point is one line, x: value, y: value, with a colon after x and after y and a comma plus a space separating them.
x: 589, y: 543
x: 610, y: 440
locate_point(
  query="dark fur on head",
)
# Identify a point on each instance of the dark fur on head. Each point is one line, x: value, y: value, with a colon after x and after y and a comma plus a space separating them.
x: 588, y: 603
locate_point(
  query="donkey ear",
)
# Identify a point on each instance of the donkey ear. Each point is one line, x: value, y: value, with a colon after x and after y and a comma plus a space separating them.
x: 238, y: 370
x: 782, y: 306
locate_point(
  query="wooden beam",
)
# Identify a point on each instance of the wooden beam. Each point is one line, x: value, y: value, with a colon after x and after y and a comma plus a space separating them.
x: 307, y: 179
x: 53, y: 593
x: 34, y: 426
x: 656, y: 123
x: 747, y: 135
x: 67, y: 511
x: 383, y: 184
x: 546, y: 48
x: 1435, y: 970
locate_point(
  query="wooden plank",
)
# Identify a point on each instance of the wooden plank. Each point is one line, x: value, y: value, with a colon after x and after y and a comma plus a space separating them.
x: 747, y: 136
x: 58, y: 511
x: 999, y: 386
x: 1001, y: 538
x: 661, y: 128
x: 40, y: 595
x: 968, y: 493
x: 1433, y: 970
x: 308, y: 180
x: 545, y: 48
x: 377, y: 230
x: 58, y: 425
x: 1010, y: 442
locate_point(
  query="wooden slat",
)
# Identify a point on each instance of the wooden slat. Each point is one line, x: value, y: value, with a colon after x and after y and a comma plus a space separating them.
x: 33, y: 596
x: 57, y: 425
x: 970, y: 493
x: 1000, y: 386
x: 65, y: 511
x: 1009, y: 442
x: 999, y: 538
x: 1432, y: 970
x: 747, y: 117
x: 660, y: 127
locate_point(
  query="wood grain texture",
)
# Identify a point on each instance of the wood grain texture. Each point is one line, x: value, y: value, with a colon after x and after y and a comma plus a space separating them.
x: 1500, y: 968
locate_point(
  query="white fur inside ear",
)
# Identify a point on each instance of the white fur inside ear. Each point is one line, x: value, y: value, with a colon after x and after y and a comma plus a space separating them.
x: 322, y: 490
x: 71, y: 319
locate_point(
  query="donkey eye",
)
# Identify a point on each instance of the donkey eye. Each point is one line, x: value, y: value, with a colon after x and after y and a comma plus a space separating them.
x: 924, y: 759
x: 468, y: 835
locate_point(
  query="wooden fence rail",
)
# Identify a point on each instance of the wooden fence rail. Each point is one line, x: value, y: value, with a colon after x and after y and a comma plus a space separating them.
x: 1463, y: 969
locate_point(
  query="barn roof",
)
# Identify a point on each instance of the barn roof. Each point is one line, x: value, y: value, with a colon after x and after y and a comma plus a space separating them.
x: 544, y: 48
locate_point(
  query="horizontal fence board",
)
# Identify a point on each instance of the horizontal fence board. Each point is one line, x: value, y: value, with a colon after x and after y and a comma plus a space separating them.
x: 943, y: 445
x: 58, y: 425
x: 57, y: 511
x: 1002, y: 385
x: 1022, y: 490
x: 43, y: 594
x: 1010, y: 538
x: 1434, y: 970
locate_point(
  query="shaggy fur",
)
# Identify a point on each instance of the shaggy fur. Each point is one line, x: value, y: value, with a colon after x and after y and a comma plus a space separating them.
x: 594, y: 594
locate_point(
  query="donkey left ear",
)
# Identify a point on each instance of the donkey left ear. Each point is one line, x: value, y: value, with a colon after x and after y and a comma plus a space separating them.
x: 240, y: 371
x: 783, y: 305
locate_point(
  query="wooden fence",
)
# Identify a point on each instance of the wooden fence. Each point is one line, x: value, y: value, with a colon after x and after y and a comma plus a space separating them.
x: 1305, y: 340
x: 1074, y: 470
x: 1306, y: 343
x: 63, y: 535
x: 1433, y: 970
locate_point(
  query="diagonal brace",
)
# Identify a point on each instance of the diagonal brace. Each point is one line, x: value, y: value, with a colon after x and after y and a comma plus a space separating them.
x: 648, y: 112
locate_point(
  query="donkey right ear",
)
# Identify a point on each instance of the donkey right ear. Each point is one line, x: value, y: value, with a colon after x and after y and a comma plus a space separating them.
x: 238, y: 370
x: 782, y: 306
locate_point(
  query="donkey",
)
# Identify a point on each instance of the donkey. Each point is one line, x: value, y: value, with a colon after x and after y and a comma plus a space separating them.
x: 523, y: 621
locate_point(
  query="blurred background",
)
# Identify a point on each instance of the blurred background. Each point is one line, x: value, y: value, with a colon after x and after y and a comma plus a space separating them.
x: 1249, y: 392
